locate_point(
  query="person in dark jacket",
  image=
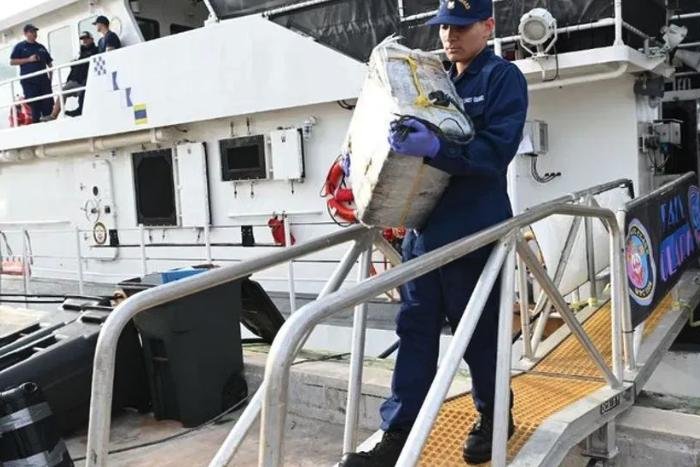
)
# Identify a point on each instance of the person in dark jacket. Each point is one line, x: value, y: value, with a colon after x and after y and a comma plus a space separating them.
x: 494, y: 93
x: 32, y: 57
x: 77, y: 78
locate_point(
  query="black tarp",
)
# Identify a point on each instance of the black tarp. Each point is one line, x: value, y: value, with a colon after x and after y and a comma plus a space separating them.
x: 354, y: 27
x: 647, y: 15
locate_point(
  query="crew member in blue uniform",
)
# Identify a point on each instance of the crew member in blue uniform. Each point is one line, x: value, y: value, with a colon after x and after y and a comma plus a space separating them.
x: 31, y: 57
x: 494, y: 93
x: 109, y: 40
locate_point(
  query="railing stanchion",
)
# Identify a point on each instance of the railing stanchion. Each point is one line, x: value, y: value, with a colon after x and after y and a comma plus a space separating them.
x: 590, y: 257
x: 501, y: 413
x: 524, y: 303
x: 543, y: 304
x: 290, y: 266
x: 630, y: 342
x: 455, y: 352
x: 357, y: 354
x: 79, y: 259
x: 207, y: 243
x: 234, y: 439
x: 26, y: 269
x: 13, y: 109
x: 142, y: 248
x: 566, y: 314
x: 61, y: 95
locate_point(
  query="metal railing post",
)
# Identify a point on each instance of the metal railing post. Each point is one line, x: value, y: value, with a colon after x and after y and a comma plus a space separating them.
x: 13, y: 109
x: 566, y: 314
x: 590, y: 258
x: 79, y: 258
x: 629, y: 343
x: 618, y: 23
x: 142, y: 248
x: 207, y: 243
x: 357, y: 356
x: 290, y: 266
x: 61, y: 95
x: 543, y: 304
x: 524, y: 302
x: 25, y: 261
x: 238, y: 433
x: 455, y: 352
x: 501, y: 412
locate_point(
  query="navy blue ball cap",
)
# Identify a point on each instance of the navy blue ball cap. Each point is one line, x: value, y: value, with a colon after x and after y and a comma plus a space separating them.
x: 462, y: 12
x: 30, y: 27
x: 101, y: 20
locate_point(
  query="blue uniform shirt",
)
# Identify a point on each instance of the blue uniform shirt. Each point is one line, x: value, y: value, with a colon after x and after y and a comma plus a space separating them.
x: 109, y: 40
x: 494, y: 92
x: 25, y: 50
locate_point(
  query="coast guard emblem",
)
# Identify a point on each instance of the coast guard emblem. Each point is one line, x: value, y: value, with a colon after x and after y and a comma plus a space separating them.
x: 451, y: 4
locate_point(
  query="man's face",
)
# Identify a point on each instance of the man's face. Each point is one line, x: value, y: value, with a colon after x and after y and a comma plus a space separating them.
x: 30, y: 36
x: 87, y: 41
x: 463, y: 43
x: 101, y: 28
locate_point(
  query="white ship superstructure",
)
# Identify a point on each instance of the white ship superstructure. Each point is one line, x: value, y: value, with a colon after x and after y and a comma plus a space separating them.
x: 211, y: 122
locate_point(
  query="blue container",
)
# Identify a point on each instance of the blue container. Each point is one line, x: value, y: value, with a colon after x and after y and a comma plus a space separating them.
x: 177, y: 274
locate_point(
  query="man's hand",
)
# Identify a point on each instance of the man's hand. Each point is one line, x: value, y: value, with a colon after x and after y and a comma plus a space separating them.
x: 33, y: 58
x: 412, y: 138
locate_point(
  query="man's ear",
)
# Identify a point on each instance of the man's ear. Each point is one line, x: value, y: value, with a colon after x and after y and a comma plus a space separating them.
x: 490, y: 27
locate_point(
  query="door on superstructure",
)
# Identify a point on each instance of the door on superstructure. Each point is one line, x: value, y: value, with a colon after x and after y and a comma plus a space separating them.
x: 98, y: 217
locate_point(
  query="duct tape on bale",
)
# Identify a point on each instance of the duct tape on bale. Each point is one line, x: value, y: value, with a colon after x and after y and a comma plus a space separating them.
x: 28, y: 433
x: 394, y: 190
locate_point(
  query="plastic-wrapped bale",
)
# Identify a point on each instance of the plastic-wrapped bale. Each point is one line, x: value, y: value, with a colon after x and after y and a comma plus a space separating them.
x: 393, y: 190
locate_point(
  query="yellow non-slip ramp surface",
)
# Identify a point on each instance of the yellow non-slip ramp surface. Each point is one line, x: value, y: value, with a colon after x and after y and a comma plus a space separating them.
x: 563, y: 377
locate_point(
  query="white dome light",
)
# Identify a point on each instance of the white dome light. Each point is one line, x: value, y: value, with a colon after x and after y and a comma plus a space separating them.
x: 537, y: 26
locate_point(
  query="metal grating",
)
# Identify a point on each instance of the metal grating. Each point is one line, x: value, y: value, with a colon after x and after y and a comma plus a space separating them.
x: 563, y: 377
x: 536, y: 398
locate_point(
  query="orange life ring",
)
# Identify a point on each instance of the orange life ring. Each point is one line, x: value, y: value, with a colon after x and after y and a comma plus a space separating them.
x: 339, y: 199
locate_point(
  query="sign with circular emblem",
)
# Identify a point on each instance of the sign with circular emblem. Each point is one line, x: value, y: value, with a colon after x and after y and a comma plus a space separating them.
x: 641, y: 268
x: 99, y: 233
x: 694, y: 211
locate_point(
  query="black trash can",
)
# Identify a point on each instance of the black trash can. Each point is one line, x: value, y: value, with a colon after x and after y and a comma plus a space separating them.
x: 193, y: 353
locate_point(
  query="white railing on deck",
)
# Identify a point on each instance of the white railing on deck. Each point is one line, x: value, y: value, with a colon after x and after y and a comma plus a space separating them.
x: 15, y: 86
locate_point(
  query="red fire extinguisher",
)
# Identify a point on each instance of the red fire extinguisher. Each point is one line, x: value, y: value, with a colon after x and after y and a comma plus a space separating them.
x: 278, y: 233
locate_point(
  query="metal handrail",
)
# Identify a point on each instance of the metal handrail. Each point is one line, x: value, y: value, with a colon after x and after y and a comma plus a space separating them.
x: 237, y: 434
x: 661, y: 190
x: 10, y: 81
x: 282, y: 352
x: 105, y: 351
x: 103, y: 370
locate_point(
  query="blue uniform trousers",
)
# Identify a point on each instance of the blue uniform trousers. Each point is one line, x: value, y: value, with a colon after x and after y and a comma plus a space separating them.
x: 35, y: 87
x: 428, y: 301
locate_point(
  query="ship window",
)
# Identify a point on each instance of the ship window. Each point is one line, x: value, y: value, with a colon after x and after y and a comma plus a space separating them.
x: 243, y: 158
x: 61, y: 45
x: 86, y: 25
x: 154, y: 187
x: 178, y: 28
x: 150, y: 29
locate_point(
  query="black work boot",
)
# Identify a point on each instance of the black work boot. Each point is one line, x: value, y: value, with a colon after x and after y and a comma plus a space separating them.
x: 384, y: 454
x: 477, y: 447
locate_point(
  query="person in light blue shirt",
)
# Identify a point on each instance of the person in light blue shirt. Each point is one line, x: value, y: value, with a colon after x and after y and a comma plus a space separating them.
x: 494, y: 93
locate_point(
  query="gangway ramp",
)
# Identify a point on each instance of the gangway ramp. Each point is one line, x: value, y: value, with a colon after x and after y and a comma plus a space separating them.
x: 562, y: 398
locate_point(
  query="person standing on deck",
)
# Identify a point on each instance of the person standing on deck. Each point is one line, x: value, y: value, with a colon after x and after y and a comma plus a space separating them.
x: 494, y: 93
x: 77, y: 78
x: 31, y: 57
x: 109, y: 40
